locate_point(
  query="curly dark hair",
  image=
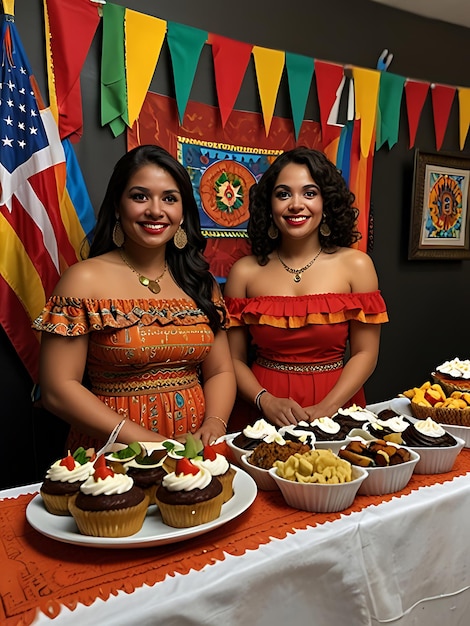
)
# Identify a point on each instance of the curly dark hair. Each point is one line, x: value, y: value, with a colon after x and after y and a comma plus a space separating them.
x: 188, y: 267
x: 338, y: 210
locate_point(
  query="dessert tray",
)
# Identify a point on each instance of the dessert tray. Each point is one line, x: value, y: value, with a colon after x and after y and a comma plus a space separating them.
x: 153, y: 532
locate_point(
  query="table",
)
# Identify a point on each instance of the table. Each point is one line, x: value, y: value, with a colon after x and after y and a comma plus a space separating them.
x: 391, y: 560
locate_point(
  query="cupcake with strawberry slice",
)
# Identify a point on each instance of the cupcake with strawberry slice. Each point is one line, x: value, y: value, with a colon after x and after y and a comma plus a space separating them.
x: 189, y: 496
x: 64, y: 478
x: 218, y: 466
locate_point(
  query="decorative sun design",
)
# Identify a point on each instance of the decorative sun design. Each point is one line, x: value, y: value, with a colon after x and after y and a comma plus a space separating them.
x: 445, y: 204
x: 229, y: 192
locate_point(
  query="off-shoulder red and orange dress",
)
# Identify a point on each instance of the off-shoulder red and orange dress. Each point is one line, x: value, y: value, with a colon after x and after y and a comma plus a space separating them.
x: 144, y: 357
x: 300, y: 342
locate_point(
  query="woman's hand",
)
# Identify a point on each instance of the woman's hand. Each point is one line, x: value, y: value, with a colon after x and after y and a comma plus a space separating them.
x: 281, y: 411
x: 212, y: 428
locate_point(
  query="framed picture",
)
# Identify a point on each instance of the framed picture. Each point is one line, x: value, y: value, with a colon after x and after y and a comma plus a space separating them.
x: 440, y: 207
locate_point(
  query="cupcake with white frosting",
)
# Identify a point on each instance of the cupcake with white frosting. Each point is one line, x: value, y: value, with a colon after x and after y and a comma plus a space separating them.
x: 108, y: 504
x: 64, y: 478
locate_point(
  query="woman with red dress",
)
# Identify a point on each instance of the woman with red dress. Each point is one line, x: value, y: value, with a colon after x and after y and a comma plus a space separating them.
x: 305, y: 309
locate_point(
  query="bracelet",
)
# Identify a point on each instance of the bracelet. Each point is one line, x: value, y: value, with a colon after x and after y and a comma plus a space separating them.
x: 216, y: 418
x: 257, y: 399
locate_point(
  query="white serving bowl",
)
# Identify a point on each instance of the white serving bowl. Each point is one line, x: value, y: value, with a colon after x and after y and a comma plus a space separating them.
x: 437, y: 460
x: 462, y: 432
x: 261, y: 476
x: 334, y: 446
x: 236, y: 453
x: 320, y: 497
x: 389, y: 479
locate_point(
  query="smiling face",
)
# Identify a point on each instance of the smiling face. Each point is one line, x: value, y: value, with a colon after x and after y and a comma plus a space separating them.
x: 296, y: 202
x: 151, y: 207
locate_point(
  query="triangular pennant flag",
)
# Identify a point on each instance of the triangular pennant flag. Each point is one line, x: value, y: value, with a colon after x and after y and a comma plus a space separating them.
x: 144, y: 39
x: 339, y: 116
x: 299, y: 73
x: 464, y: 114
x: 70, y: 28
x: 185, y: 44
x: 366, y: 89
x: 269, y: 65
x: 390, y: 97
x: 415, y: 96
x: 231, y: 59
x: 442, y: 98
x: 328, y: 78
x: 113, y: 70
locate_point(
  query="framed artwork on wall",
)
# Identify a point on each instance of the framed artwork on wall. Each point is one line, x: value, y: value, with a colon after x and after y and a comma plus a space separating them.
x: 440, y: 224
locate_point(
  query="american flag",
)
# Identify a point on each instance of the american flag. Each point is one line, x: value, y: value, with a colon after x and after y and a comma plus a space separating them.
x: 39, y: 236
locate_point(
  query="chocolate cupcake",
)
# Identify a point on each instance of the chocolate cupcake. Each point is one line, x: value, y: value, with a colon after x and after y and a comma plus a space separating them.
x: 427, y: 434
x: 189, y: 496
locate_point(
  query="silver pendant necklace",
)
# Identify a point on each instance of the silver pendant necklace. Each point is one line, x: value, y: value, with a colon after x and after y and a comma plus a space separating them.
x: 152, y: 285
x: 298, y: 273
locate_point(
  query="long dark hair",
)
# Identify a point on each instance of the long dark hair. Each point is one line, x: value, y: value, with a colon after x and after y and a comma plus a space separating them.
x: 338, y: 210
x: 188, y: 267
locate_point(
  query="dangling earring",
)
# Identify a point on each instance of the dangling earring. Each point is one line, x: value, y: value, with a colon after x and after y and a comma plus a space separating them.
x: 180, y: 238
x: 325, y: 230
x: 273, y: 231
x: 118, y: 234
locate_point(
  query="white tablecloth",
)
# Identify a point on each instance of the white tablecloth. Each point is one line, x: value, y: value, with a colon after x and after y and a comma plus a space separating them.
x: 404, y: 562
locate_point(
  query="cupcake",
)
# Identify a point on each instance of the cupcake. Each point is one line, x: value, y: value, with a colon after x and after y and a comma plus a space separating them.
x: 427, y: 434
x: 251, y: 435
x: 63, y: 480
x: 354, y: 417
x: 108, y: 504
x: 218, y: 466
x: 322, y: 429
x: 147, y: 472
x: 390, y: 429
x: 189, y: 496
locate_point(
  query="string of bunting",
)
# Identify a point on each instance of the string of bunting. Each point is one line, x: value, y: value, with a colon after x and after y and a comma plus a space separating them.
x: 131, y: 47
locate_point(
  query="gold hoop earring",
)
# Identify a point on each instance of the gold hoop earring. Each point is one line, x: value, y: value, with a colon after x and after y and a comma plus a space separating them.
x: 180, y: 238
x: 273, y: 232
x: 325, y: 230
x: 118, y: 234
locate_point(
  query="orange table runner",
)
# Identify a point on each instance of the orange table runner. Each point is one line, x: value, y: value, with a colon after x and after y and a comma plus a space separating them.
x: 38, y: 573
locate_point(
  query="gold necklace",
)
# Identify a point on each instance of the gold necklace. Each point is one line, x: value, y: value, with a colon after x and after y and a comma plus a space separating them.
x: 153, y: 285
x: 298, y: 273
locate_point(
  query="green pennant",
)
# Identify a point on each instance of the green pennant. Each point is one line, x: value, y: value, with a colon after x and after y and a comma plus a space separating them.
x: 113, y: 70
x: 185, y: 44
x: 388, y: 113
x: 299, y: 73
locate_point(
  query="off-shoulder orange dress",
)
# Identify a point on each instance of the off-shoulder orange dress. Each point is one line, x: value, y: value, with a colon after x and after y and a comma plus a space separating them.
x: 300, y: 343
x: 144, y: 358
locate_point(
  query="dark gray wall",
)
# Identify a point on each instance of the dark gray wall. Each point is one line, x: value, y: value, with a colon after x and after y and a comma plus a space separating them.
x: 427, y: 300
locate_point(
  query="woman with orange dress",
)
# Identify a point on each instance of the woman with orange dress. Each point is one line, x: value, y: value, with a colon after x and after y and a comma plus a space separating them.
x: 305, y: 309
x: 136, y: 332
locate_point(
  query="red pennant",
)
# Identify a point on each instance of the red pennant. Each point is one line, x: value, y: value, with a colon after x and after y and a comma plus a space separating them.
x: 72, y: 25
x: 415, y: 95
x: 231, y: 59
x: 328, y: 79
x: 442, y: 99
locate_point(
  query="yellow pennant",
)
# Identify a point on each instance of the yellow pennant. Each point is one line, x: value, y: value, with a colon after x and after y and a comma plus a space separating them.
x: 269, y: 65
x: 144, y: 39
x: 366, y: 90
x: 464, y: 114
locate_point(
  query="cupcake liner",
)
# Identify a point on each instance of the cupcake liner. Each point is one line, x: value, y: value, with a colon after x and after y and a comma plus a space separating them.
x: 57, y: 504
x: 117, y: 523
x: 226, y: 480
x: 187, y: 515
